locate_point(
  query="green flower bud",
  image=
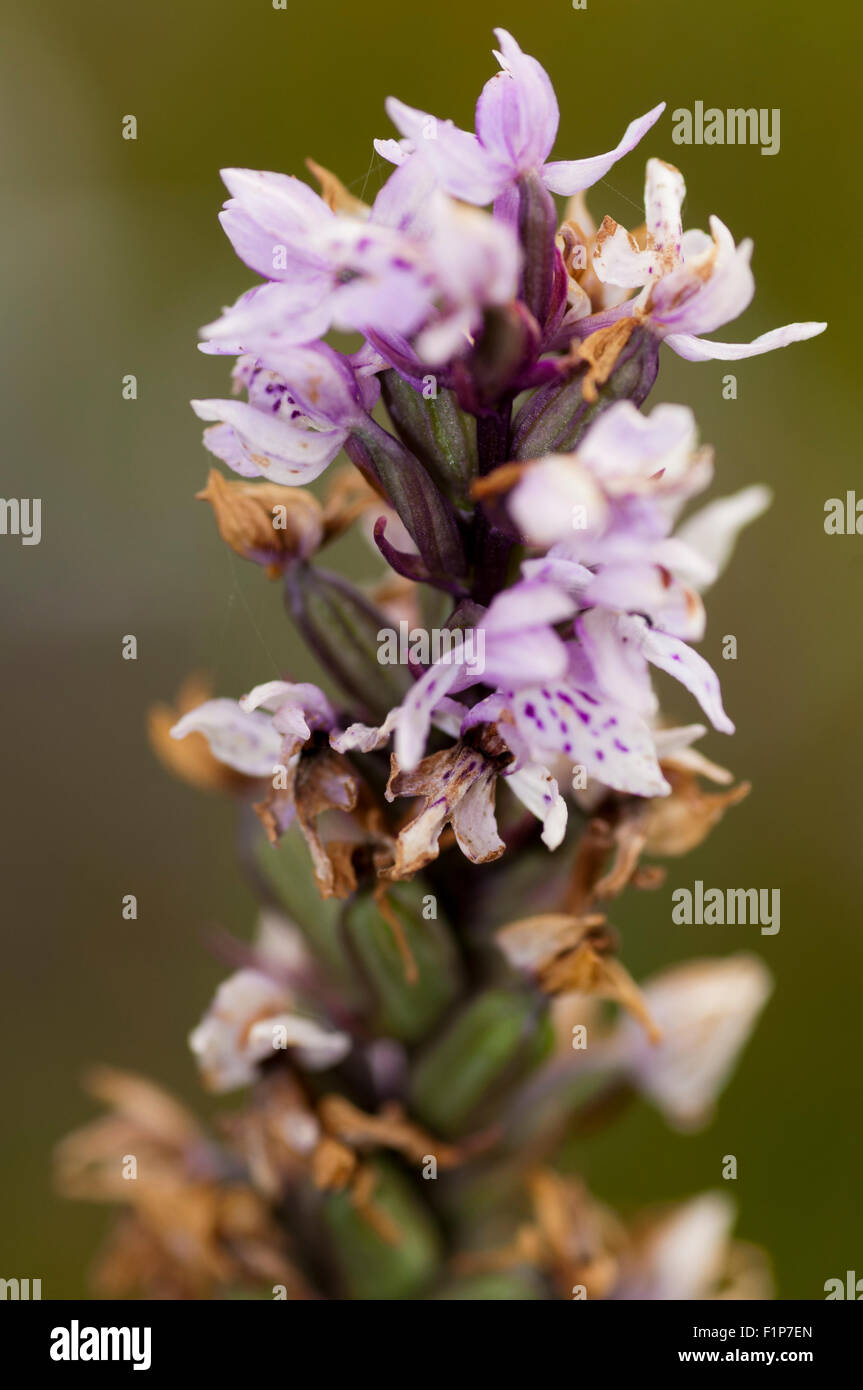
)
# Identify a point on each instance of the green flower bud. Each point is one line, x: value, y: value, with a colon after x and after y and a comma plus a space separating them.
x: 341, y: 627
x: 555, y: 417
x: 489, y: 1047
x: 509, y: 341
x: 286, y: 876
x: 537, y: 226
x: 408, y: 1001
x: 441, y: 435
x: 428, y: 516
x: 371, y: 1267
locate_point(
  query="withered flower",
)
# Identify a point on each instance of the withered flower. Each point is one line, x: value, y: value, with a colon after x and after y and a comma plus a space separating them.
x: 192, y: 1226
x: 276, y: 1133
x: 146, y: 1123
x: 264, y: 522
x: 279, y: 731
x: 684, y: 819
x: 665, y: 827
x: 457, y: 788
x: 389, y: 1129
x: 567, y: 954
x: 577, y: 241
x: 586, y: 1252
x: 251, y: 1017
x: 349, y: 1132
x: 570, y: 1238
x: 286, y: 1137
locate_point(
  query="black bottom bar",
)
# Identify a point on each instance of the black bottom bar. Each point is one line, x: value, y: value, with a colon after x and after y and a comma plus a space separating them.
x: 255, y: 1339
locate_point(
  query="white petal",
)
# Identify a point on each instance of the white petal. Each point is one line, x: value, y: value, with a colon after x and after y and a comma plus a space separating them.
x: 364, y: 738
x: 702, y: 350
x: 220, y: 1042
x: 317, y: 1046
x: 706, y: 1011
x: 395, y: 151
x: 617, y: 259
x: 687, y: 666
x: 664, y: 191
x: 684, y: 1255
x: 538, y: 791
x: 627, y: 444
x: 243, y: 740
x: 412, y: 727
x: 555, y: 499
x: 712, y: 532
x: 272, y: 446
x: 268, y: 696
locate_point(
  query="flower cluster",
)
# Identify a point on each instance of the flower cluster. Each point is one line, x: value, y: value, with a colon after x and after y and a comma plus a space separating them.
x: 481, y: 355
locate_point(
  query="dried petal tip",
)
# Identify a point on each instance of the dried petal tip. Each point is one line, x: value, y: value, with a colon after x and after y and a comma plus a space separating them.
x: 337, y: 197
x: 564, y: 953
x: 264, y: 522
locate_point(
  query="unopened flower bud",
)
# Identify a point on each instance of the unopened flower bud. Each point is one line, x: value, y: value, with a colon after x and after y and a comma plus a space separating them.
x: 489, y: 1047
x: 341, y: 626
x: 556, y: 416
x: 409, y: 960
x: 384, y: 1244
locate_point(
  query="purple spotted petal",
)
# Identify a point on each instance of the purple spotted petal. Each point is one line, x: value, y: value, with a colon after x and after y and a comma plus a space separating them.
x: 680, y: 661
x: 614, y: 745
x: 538, y: 791
x: 614, y: 656
x: 267, y: 445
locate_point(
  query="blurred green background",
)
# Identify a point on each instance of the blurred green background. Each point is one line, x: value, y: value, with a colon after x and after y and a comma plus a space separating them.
x: 112, y: 257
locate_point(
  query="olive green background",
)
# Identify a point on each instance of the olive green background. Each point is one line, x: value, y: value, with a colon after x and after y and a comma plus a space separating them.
x: 111, y: 259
